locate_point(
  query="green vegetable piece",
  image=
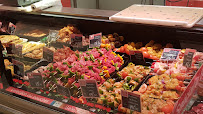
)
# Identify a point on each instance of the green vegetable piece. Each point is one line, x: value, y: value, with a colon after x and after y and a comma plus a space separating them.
x: 69, y: 66
x: 65, y: 63
x: 114, y: 94
x: 77, y: 75
x: 133, y: 87
x: 92, y: 58
x: 87, y: 53
x: 116, y: 100
x: 101, y: 92
x: 70, y: 73
x: 77, y: 55
x: 110, y: 89
x: 136, y: 79
x: 86, y: 59
x: 119, y: 75
x: 126, y: 86
x: 82, y: 77
x: 51, y: 74
x: 131, y: 72
x: 90, y: 67
x: 128, y: 79
x: 146, y: 67
x: 100, y: 53
x: 147, y: 108
x: 111, y: 104
x: 101, y: 74
x: 59, y: 71
x: 104, y: 100
x: 99, y: 67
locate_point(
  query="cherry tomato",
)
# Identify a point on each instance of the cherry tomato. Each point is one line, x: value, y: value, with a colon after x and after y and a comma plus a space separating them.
x: 126, y: 46
x: 167, y: 109
x: 180, y: 78
x: 145, y: 54
x: 181, y: 83
x: 178, y: 88
x: 144, y: 49
x: 124, y: 74
x: 127, y: 51
x: 122, y: 49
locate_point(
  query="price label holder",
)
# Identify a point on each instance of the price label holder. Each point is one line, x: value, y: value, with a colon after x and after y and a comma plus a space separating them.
x: 48, y: 54
x: 170, y: 54
x: 11, y: 28
x: 95, y: 40
x: 188, y: 56
x: 36, y: 80
x: 137, y: 57
x: 76, y: 40
x: 53, y: 35
x: 131, y: 101
x: 0, y: 24
x: 89, y: 88
x: 63, y: 90
x: 18, y: 68
x: 18, y: 50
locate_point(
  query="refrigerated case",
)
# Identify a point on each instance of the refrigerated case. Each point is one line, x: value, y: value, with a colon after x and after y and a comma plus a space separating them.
x: 88, y: 21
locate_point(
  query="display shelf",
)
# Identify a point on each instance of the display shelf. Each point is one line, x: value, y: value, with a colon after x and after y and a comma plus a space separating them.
x: 141, y: 42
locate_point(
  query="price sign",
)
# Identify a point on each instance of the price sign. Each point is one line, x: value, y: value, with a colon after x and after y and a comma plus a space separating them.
x: 95, y: 40
x: 48, y: 54
x: 10, y: 48
x: 11, y: 28
x: 76, y: 40
x: 137, y: 57
x: 36, y: 80
x: 170, y: 54
x: 63, y: 90
x: 18, y: 68
x: 18, y: 50
x: 89, y: 88
x: 131, y: 100
x: 53, y: 35
x: 188, y: 56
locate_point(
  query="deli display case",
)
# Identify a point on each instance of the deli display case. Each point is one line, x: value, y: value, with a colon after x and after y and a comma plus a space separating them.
x: 69, y: 60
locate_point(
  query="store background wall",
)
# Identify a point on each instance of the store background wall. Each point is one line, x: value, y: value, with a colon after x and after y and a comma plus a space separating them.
x: 112, y: 4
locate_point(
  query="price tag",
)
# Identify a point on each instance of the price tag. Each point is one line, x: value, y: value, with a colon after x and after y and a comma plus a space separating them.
x: 36, y: 80
x: 18, y: 50
x: 188, y: 57
x: 131, y: 101
x: 63, y: 90
x: 76, y: 40
x: 57, y: 104
x: 170, y: 54
x: 18, y: 68
x: 53, y: 35
x: 95, y: 40
x: 48, y: 54
x: 89, y: 88
x: 10, y: 48
x: 11, y: 28
x: 137, y: 57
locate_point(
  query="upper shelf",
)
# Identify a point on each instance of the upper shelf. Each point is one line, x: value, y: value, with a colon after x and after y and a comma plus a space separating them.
x: 79, y: 13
